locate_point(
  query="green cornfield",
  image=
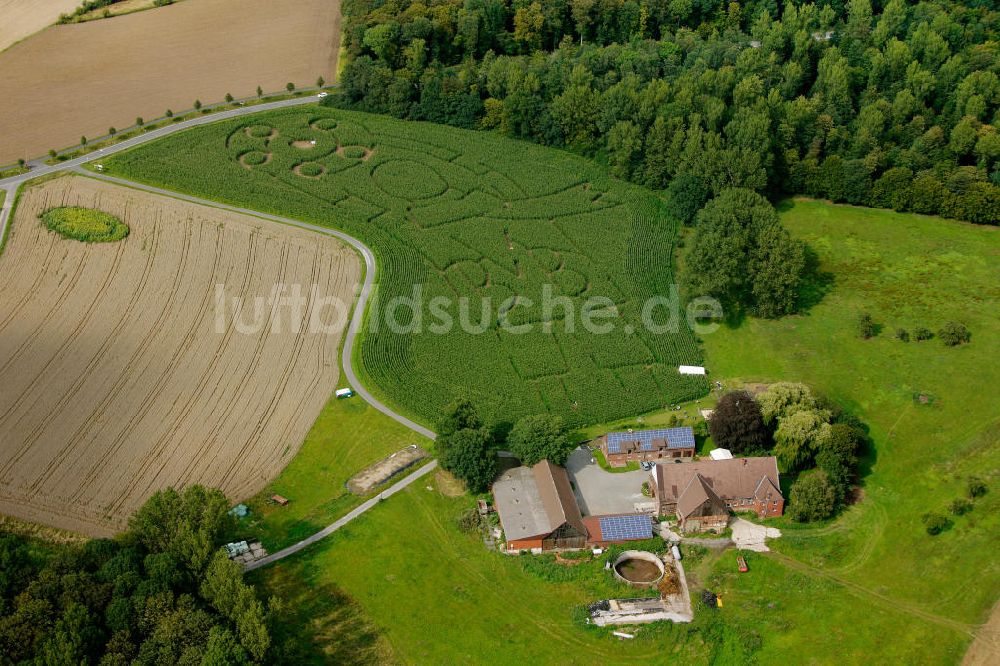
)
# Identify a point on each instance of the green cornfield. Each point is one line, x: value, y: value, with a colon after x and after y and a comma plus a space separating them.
x: 451, y: 215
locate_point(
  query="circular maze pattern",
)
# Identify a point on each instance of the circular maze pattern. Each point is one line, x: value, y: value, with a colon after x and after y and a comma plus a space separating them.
x: 409, y: 180
x: 261, y: 132
x: 309, y: 170
x: 355, y: 152
x: 324, y: 124
x: 489, y: 223
x: 255, y: 158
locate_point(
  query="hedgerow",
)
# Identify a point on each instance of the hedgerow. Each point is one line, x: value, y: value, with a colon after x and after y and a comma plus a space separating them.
x: 460, y: 214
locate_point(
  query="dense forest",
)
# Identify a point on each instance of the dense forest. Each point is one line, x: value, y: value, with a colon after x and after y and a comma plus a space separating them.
x: 162, y: 592
x: 889, y: 104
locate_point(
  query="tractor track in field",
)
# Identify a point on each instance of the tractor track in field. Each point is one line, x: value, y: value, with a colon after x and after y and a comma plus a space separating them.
x: 10, y: 187
x: 884, y: 600
x: 75, y: 388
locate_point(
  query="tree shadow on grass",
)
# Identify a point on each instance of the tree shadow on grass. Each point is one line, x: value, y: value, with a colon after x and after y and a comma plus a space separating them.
x: 816, y: 283
x: 318, y: 623
x: 867, y: 457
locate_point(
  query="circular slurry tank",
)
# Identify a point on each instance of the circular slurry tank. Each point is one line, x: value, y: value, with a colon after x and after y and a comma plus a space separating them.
x: 638, y: 567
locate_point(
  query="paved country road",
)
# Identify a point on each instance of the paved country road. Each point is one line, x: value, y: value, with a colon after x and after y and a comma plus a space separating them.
x: 353, y: 329
x: 10, y: 186
x: 39, y: 168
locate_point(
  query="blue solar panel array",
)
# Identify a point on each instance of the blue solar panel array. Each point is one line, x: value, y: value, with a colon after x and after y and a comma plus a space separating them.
x: 677, y: 438
x: 626, y: 528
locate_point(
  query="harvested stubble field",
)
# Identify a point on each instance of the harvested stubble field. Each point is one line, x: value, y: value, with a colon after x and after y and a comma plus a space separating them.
x: 454, y: 215
x: 81, y: 79
x: 19, y: 19
x: 115, y: 379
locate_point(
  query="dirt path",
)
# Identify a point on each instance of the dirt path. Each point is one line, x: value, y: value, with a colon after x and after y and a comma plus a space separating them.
x: 340, y: 522
x: 985, y: 650
x: 871, y: 595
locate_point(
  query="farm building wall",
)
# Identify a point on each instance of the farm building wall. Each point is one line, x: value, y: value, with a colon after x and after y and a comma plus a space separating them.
x: 763, y: 508
x: 525, y: 544
x: 715, y: 523
x: 622, y: 459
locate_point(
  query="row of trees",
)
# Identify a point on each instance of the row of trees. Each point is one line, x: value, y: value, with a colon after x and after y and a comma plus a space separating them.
x: 162, y: 592
x: 468, y: 448
x: 892, y: 105
x: 809, y: 437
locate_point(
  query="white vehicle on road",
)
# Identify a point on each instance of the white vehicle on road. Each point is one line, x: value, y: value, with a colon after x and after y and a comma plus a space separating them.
x: 322, y: 95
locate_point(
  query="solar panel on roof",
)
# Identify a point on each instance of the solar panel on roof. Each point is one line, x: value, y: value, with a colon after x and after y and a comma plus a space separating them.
x: 677, y: 438
x: 626, y: 528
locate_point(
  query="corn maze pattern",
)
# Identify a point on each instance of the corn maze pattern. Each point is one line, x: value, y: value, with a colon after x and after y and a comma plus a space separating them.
x: 464, y: 214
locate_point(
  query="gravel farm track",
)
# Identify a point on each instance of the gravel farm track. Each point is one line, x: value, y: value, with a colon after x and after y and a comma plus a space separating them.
x: 81, y: 79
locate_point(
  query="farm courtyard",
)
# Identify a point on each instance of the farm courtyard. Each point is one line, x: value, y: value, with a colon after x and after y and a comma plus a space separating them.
x: 115, y: 377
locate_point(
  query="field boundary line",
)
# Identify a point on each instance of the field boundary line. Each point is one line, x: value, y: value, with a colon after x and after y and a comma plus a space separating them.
x: 353, y: 329
x: 11, y: 186
x: 38, y: 170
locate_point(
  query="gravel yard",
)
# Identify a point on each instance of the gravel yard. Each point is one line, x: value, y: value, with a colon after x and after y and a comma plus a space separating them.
x: 600, y: 492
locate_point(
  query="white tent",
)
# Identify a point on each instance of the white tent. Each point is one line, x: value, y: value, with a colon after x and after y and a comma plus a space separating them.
x: 691, y: 370
x: 721, y: 454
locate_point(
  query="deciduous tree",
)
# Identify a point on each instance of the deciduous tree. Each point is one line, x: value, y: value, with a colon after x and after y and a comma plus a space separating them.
x: 737, y: 424
x: 540, y: 437
x: 471, y: 456
x: 812, y: 497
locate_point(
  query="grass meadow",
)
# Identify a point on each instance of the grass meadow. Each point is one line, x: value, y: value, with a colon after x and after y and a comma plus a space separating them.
x: 348, y: 436
x: 424, y: 592
x: 907, y: 271
x: 870, y: 584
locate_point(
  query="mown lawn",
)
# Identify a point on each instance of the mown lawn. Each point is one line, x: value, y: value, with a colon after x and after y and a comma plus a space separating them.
x: 907, y: 271
x: 348, y: 436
